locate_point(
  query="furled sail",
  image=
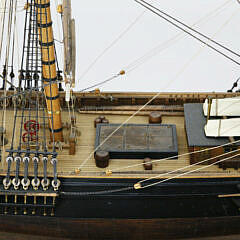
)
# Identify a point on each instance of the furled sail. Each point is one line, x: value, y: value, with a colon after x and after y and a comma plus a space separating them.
x: 227, y: 107
x: 223, y: 107
x: 69, y: 44
x: 223, y: 128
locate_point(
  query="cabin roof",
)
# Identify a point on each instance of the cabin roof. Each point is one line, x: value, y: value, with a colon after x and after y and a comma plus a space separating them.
x: 194, y: 124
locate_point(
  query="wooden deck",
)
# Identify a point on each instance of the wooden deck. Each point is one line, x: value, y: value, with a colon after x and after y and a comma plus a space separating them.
x: 120, y: 167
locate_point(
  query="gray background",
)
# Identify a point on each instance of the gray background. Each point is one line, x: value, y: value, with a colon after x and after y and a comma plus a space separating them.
x: 99, y: 23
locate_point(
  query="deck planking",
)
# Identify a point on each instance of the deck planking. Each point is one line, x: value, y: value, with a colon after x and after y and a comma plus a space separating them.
x: 85, y: 147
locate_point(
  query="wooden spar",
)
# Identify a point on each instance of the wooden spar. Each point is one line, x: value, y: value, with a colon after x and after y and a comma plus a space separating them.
x: 171, y: 108
x: 49, y: 73
x: 69, y: 43
x: 73, y: 51
x: 67, y: 38
x: 129, y: 113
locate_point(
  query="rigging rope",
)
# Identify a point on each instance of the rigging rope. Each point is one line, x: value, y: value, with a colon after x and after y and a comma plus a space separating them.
x: 177, y: 156
x: 59, y: 36
x: 9, y: 34
x: 18, y: 11
x: 25, y: 92
x: 114, y: 42
x: 70, y: 110
x: 19, y: 94
x: 192, y: 29
x: 103, y: 82
x: 96, y: 193
x: 2, y: 22
x: 141, y: 108
x: 163, y: 46
x: 181, y: 28
x: 6, y: 66
x: 144, y: 56
x: 198, y: 52
x: 30, y: 60
x: 14, y: 32
x: 120, y: 189
x: 50, y: 77
x: 2, y: 28
x: 139, y: 184
x: 13, y: 46
x: 132, y: 66
x: 134, y: 114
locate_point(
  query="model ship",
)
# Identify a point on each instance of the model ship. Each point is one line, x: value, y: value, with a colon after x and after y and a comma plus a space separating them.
x: 97, y: 165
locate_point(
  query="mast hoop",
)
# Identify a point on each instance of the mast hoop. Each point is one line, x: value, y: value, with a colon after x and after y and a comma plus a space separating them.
x: 52, y: 80
x: 44, y: 25
x: 48, y: 62
x: 55, y: 130
x: 52, y: 98
x: 47, y: 44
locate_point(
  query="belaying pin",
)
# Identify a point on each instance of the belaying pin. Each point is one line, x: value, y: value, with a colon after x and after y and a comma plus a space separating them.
x: 6, y: 201
x: 52, y: 212
x: 34, y: 202
x: 15, y: 208
x: 53, y: 202
x: 25, y: 202
x: 45, y: 202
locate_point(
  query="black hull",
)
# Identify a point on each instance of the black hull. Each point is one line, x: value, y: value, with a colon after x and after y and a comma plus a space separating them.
x: 180, y: 208
x: 180, y: 198
x: 114, y: 229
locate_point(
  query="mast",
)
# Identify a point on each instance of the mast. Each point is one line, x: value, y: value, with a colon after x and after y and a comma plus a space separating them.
x: 49, y: 72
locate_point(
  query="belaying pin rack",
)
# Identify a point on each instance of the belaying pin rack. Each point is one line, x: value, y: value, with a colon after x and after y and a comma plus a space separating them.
x: 31, y: 202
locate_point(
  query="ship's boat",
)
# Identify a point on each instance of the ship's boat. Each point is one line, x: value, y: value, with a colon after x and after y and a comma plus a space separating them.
x: 109, y: 165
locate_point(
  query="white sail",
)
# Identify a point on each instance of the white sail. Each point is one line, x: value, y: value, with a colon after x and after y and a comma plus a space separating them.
x: 69, y: 43
x: 223, y: 128
x: 223, y: 107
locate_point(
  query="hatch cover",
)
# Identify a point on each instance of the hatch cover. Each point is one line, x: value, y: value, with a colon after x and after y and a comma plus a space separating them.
x: 134, y: 141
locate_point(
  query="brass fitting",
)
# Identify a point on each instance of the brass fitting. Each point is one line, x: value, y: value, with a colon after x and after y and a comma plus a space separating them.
x: 122, y: 72
x: 35, y: 184
x: 27, y: 6
x: 45, y: 185
x: 60, y: 9
x: 108, y: 172
x: 137, y: 186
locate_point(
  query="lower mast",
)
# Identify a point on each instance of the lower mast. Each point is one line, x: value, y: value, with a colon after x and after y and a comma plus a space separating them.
x: 49, y: 73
